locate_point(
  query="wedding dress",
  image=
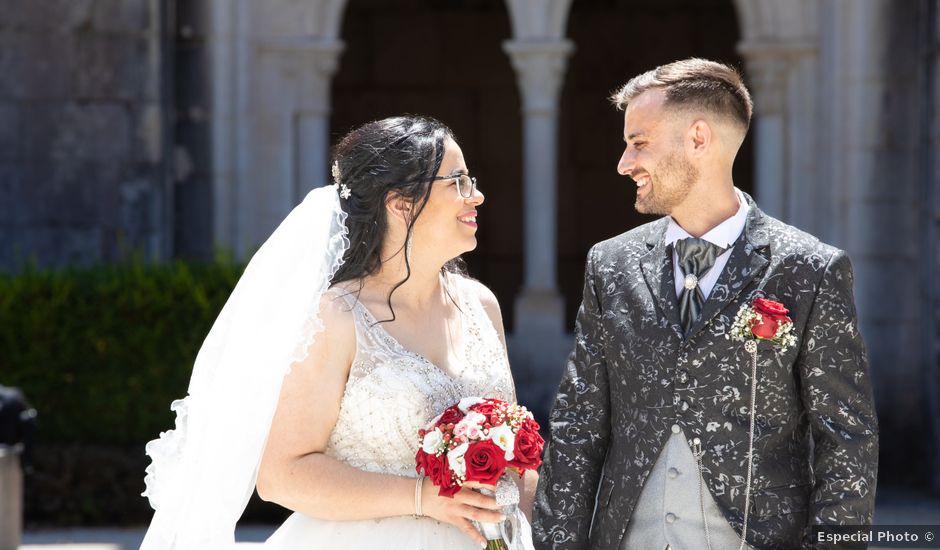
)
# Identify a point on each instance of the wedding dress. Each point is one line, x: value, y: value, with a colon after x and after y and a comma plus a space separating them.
x: 391, y: 392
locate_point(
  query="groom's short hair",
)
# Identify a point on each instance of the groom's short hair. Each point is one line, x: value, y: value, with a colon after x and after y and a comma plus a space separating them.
x: 695, y: 84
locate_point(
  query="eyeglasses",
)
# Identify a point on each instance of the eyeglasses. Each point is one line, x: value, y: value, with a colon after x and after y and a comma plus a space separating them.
x: 465, y: 183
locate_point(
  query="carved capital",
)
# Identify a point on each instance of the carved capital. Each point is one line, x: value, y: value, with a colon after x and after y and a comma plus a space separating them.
x: 769, y: 64
x: 540, y: 71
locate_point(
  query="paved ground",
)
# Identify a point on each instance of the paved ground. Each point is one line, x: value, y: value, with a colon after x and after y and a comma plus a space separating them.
x: 894, y: 508
x: 114, y: 539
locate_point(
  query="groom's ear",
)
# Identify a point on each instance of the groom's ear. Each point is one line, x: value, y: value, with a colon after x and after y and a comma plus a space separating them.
x: 699, y: 137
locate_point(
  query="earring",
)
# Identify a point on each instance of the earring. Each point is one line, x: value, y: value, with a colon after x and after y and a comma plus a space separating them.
x: 409, y: 246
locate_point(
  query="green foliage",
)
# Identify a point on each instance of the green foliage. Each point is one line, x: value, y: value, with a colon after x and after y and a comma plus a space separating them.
x: 101, y: 352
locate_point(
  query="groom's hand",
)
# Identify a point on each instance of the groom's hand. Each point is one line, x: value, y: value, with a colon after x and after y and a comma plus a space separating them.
x: 465, y: 506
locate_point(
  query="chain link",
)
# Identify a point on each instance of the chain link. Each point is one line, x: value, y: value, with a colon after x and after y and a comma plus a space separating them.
x: 751, y: 348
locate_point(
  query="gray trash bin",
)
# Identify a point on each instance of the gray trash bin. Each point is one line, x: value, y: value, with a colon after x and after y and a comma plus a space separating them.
x: 11, y: 497
x: 17, y: 427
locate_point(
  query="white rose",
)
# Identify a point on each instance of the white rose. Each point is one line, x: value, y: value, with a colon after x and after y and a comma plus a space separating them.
x: 467, y: 402
x: 455, y: 458
x: 503, y: 437
x: 433, y: 442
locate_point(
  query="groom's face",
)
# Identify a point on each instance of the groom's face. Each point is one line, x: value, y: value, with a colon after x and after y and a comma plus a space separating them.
x: 654, y: 157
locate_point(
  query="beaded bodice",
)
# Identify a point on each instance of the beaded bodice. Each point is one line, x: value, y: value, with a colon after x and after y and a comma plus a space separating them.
x: 391, y: 392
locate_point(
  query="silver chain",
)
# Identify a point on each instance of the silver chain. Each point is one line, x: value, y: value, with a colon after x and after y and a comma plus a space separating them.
x: 751, y: 347
x: 697, y: 452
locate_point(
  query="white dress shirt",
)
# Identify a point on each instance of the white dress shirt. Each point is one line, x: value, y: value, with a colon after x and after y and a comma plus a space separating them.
x: 723, y: 235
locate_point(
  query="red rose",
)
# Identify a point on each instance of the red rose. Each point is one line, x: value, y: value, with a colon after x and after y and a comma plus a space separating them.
x: 772, y: 315
x: 766, y: 328
x: 527, y: 452
x: 449, y: 489
x: 486, y: 408
x: 770, y: 307
x: 420, y: 460
x: 435, y: 467
x: 438, y: 471
x: 485, y: 462
x: 451, y: 415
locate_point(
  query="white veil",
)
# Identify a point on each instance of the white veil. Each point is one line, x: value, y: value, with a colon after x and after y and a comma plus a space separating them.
x: 204, y: 471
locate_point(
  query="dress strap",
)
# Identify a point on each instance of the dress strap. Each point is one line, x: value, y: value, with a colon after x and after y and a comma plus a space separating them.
x: 369, y: 333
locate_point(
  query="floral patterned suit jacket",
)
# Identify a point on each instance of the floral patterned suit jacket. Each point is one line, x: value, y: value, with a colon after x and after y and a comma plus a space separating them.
x: 816, y: 435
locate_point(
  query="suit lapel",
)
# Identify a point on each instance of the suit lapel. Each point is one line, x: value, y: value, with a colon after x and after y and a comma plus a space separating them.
x: 658, y: 274
x: 749, y: 258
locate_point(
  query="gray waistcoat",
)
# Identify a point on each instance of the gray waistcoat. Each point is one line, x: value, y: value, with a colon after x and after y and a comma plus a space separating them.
x: 669, y: 511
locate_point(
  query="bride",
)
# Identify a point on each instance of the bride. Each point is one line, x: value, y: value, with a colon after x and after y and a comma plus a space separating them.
x: 352, y: 327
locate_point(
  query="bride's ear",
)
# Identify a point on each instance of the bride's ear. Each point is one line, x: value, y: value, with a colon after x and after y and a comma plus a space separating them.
x: 398, y: 207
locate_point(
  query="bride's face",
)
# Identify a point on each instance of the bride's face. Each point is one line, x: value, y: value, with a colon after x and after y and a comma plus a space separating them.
x: 447, y: 225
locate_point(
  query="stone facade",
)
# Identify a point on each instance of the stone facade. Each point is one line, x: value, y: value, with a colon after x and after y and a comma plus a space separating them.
x: 930, y: 299
x: 183, y: 128
x: 883, y: 117
x: 82, y: 131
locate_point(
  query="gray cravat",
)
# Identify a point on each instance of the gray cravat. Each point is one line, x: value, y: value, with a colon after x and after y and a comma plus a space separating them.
x: 696, y: 257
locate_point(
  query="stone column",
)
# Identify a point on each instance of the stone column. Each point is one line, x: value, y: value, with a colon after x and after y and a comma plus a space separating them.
x: 228, y: 47
x: 778, y: 72
x: 291, y: 125
x: 767, y: 72
x: 319, y: 62
x: 540, y: 69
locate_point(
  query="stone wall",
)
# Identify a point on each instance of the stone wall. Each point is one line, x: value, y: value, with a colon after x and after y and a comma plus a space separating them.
x: 81, y: 131
x: 881, y: 199
x: 931, y: 195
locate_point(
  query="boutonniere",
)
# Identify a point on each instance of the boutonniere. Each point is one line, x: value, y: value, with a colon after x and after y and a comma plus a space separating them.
x: 763, y: 319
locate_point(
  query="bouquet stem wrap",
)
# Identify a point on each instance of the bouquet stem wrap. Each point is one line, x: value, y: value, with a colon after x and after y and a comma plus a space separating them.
x: 508, y: 534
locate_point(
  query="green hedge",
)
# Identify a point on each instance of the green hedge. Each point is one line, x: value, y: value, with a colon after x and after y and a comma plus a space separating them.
x: 100, y: 352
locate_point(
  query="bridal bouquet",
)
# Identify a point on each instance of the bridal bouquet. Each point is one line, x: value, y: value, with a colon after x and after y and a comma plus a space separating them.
x: 478, y: 440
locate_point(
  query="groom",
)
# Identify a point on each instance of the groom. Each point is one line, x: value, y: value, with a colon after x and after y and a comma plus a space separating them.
x: 671, y: 429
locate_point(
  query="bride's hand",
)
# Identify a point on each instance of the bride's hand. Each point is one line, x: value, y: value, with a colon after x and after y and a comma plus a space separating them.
x: 466, y: 505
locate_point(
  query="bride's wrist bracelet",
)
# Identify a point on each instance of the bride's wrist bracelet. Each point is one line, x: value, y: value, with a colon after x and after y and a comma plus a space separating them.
x: 418, y: 486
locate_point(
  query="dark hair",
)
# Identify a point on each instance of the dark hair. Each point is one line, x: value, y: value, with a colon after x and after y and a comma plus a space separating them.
x: 699, y: 83
x: 400, y: 155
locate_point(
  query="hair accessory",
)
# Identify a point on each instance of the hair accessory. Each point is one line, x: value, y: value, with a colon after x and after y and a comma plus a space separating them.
x: 344, y: 190
x: 335, y: 171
